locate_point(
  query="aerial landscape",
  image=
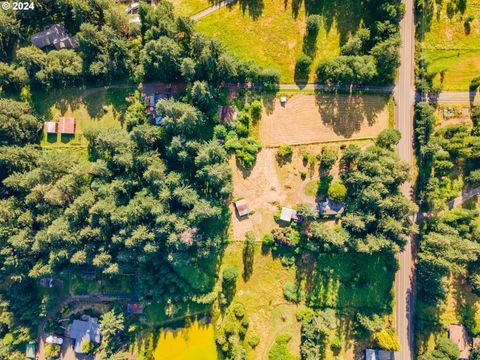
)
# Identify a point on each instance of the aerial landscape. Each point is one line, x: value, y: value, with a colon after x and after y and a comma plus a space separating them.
x: 240, y: 179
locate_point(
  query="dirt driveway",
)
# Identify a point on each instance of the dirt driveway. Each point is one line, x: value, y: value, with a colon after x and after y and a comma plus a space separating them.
x: 318, y: 118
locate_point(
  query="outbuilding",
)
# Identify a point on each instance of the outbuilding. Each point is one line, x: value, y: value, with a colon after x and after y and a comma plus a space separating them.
x: 227, y: 114
x: 330, y: 208
x: 50, y: 127
x: 30, y: 351
x: 288, y: 214
x: 376, y: 354
x: 242, y: 207
x: 66, y: 125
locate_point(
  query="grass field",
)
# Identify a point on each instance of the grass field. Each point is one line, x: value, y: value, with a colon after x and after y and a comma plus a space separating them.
x: 190, y: 7
x: 271, y: 32
x: 101, y: 109
x: 452, y: 47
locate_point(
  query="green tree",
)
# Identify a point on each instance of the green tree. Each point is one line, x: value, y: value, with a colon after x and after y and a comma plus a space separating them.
x: 337, y: 191
x: 248, y: 254
x: 18, y: 124
x: 388, y: 138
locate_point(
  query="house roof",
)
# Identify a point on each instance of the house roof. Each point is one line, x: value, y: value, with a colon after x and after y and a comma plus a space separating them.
x: 242, y: 207
x: 376, y: 354
x: 50, y: 127
x: 66, y: 125
x: 227, y: 114
x: 458, y: 334
x: 55, y: 35
x: 84, y: 330
x: 30, y: 351
x: 288, y: 214
x: 330, y: 208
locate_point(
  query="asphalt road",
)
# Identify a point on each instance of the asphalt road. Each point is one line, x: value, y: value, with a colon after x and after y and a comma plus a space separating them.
x: 404, y: 93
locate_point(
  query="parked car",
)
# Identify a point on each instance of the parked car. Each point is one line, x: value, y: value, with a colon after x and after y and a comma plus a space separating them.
x: 51, y: 339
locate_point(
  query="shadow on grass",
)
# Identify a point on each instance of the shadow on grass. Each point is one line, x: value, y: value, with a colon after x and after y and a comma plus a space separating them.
x: 345, y: 114
x: 66, y: 138
x: 253, y: 7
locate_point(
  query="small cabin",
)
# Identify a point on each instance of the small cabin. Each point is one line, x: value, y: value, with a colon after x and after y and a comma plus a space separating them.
x: 242, y: 207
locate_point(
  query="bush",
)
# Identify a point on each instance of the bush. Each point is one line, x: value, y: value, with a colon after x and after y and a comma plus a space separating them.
x: 337, y: 344
x: 387, y: 340
x: 292, y: 293
x: 285, y: 151
x: 337, y: 191
x: 387, y: 138
x: 253, y: 340
x: 328, y: 156
x: 303, y: 175
x: 229, y: 276
x: 268, y: 240
x: 303, y: 313
x: 302, y: 66
x: 220, y: 131
x: 279, y: 350
x: 313, y: 25
x: 52, y: 351
x: 256, y: 110
x: 239, y: 310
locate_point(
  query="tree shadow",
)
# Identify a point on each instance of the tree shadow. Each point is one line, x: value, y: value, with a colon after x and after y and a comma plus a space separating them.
x: 345, y: 114
x: 253, y: 7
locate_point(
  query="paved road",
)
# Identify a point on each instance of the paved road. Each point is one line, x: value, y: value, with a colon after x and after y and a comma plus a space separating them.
x: 405, y: 97
x: 211, y: 9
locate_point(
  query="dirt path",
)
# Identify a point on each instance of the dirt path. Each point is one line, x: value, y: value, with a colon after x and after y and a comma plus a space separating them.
x: 261, y: 188
x: 459, y: 200
x: 212, y: 9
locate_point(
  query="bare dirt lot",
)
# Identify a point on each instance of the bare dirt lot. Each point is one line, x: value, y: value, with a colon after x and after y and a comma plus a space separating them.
x: 270, y: 184
x: 319, y: 118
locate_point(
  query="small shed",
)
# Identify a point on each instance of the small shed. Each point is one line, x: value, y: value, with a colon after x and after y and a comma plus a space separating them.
x: 242, y: 207
x: 283, y: 100
x: 458, y: 334
x: 330, y: 208
x: 30, y: 351
x: 66, y: 125
x: 227, y: 114
x: 50, y: 127
x: 376, y: 354
x: 288, y: 214
x: 135, y: 309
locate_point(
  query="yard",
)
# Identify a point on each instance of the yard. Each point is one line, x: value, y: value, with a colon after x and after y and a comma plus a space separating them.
x: 190, y: 7
x: 450, y: 39
x: 324, y: 117
x: 102, y: 108
x: 271, y: 32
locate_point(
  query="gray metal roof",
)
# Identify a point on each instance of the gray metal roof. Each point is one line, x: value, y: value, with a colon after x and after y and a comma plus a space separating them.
x: 84, y: 330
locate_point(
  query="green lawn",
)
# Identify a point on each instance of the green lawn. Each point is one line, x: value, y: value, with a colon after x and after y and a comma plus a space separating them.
x: 452, y: 48
x: 271, y: 32
x: 190, y: 7
x: 110, y: 285
x: 102, y: 109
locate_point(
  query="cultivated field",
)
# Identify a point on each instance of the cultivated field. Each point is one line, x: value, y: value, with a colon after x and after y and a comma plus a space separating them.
x: 320, y: 118
x: 450, y: 39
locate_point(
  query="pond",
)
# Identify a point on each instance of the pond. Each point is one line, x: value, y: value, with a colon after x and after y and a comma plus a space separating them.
x: 196, y: 342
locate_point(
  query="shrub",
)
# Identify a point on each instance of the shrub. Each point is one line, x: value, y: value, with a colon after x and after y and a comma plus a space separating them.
x: 303, y: 313
x: 292, y: 293
x: 387, y: 339
x: 256, y: 110
x: 239, y: 310
x: 229, y: 276
x: 220, y: 131
x: 388, y: 137
x: 279, y: 350
x: 253, y: 340
x: 88, y: 347
x: 313, y: 25
x: 268, y: 240
x: 302, y: 66
x: 52, y: 351
x: 286, y: 236
x: 284, y: 151
x: 303, y: 175
x: 327, y: 157
x: 337, y: 344
x: 337, y: 191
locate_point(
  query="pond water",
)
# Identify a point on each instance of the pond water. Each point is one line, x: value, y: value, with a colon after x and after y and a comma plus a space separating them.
x: 197, y: 342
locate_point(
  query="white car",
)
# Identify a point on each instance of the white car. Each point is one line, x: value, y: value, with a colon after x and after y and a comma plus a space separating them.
x: 54, y: 340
